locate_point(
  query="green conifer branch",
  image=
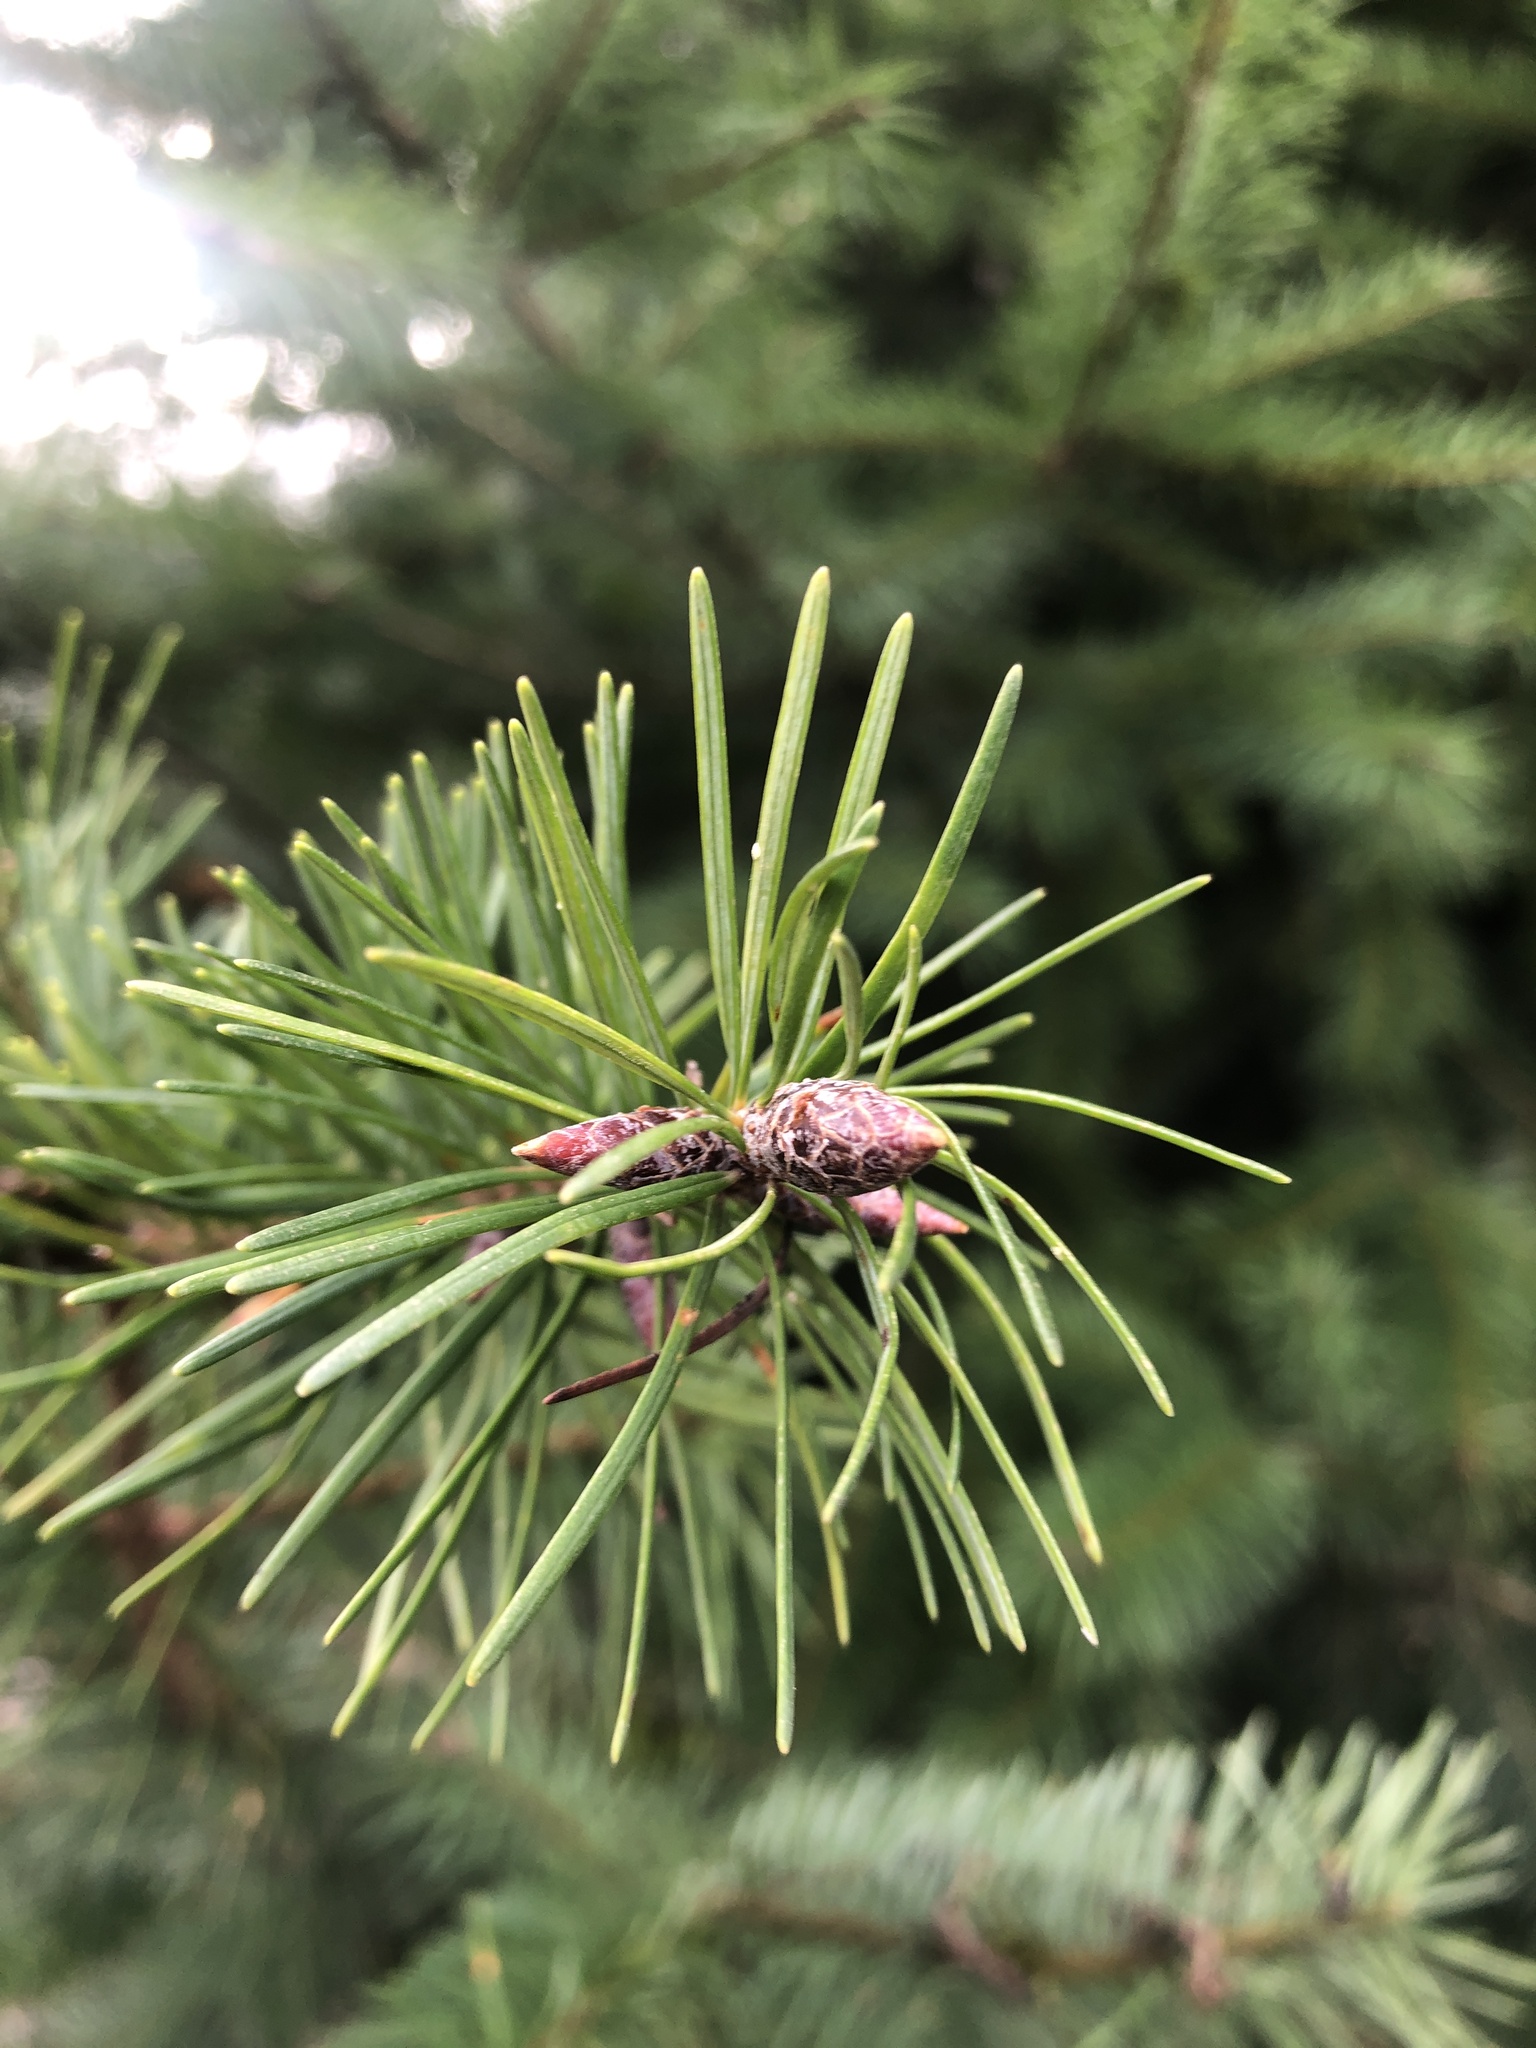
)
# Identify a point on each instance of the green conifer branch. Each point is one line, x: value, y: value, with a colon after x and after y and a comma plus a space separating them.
x: 392, y: 1258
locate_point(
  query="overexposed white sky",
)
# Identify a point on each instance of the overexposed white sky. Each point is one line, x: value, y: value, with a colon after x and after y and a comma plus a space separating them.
x: 89, y: 257
x: 70, y: 22
x: 93, y: 260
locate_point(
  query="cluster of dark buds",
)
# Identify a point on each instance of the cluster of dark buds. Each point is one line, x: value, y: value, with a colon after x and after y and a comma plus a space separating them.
x: 827, y: 1138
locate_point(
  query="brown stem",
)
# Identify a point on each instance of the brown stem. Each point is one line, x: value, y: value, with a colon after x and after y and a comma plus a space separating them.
x: 963, y: 1945
x: 637, y: 1368
x: 1156, y: 1940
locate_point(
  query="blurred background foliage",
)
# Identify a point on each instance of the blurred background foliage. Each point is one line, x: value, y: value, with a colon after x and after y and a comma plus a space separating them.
x: 1183, y: 353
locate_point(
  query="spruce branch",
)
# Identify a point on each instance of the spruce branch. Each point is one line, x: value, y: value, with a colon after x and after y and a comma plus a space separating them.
x: 1324, y: 326
x: 1105, y: 353
x: 702, y: 181
x: 1300, y: 439
x: 1215, y: 1900
x: 1493, y: 92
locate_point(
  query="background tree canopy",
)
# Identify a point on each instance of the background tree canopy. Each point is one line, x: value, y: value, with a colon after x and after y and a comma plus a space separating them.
x: 1180, y: 353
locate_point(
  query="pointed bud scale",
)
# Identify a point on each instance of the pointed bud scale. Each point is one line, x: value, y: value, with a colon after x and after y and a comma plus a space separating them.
x: 837, y: 1138
x: 574, y: 1146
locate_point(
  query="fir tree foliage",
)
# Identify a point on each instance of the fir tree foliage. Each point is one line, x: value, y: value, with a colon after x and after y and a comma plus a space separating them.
x: 1155, y: 1898
x: 477, y: 980
x: 172, y: 1885
x: 642, y: 211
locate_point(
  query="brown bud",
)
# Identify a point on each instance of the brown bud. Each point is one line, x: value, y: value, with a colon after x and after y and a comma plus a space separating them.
x: 574, y: 1146
x: 837, y: 1138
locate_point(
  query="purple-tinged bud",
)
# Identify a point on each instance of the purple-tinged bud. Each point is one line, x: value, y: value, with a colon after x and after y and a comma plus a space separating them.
x: 574, y: 1146
x: 628, y: 1242
x: 880, y: 1211
x: 837, y: 1138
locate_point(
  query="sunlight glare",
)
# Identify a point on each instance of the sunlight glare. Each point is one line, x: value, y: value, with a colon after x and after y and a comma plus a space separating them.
x: 96, y: 264
x: 90, y: 258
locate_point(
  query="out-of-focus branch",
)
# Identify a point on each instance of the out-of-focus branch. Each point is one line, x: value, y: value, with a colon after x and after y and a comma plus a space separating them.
x: 1030, y: 1965
x: 551, y: 101
x: 409, y: 150
x: 705, y: 179
x: 1114, y: 337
